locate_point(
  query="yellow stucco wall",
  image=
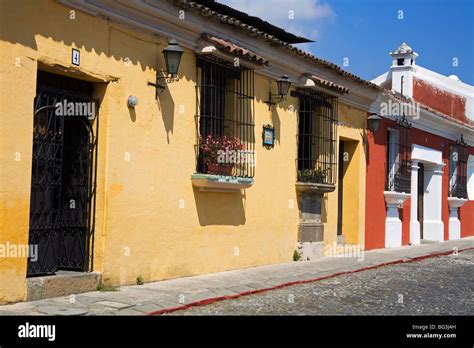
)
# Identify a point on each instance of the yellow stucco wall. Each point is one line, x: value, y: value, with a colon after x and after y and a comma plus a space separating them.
x: 146, y: 157
x: 140, y: 228
x: 350, y: 129
x: 17, y: 91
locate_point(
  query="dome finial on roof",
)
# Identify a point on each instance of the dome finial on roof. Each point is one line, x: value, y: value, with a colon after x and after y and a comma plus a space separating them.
x: 403, y: 49
x: 403, y: 56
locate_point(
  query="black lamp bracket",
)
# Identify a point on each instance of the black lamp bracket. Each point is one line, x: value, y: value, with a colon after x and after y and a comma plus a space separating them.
x: 163, y: 76
x: 461, y: 141
x: 403, y: 122
x: 168, y: 78
x: 274, y: 99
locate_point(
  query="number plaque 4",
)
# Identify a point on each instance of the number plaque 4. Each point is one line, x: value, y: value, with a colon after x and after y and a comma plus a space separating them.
x: 76, y: 57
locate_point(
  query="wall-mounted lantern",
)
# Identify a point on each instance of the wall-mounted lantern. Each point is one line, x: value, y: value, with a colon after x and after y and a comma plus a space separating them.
x: 172, y: 55
x: 283, y: 86
x: 373, y: 122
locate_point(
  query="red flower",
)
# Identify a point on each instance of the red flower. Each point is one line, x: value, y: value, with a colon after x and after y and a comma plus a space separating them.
x: 210, y: 146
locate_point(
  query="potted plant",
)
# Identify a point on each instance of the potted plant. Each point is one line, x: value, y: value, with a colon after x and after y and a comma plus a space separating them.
x: 312, y: 175
x: 218, y: 152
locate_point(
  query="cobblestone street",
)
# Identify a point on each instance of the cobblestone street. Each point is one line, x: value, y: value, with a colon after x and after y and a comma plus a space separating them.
x: 436, y: 286
x: 441, y: 282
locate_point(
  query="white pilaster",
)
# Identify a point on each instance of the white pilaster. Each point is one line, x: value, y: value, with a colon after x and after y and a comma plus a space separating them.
x: 433, y: 227
x: 393, y: 224
x: 414, y: 224
x: 454, y: 223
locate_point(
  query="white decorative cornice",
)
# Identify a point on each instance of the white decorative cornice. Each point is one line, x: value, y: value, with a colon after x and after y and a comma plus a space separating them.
x: 428, y: 121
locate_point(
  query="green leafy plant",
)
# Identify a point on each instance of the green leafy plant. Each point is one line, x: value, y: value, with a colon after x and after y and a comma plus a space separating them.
x: 106, y: 287
x: 312, y: 175
x: 140, y: 280
x: 296, y: 256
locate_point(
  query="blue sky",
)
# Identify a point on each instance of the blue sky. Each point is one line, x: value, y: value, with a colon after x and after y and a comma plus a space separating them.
x: 365, y: 31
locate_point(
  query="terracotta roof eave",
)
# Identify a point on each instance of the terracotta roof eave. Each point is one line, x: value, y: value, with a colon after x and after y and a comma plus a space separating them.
x: 203, y: 10
x: 234, y: 49
x: 242, y: 17
x: 328, y: 84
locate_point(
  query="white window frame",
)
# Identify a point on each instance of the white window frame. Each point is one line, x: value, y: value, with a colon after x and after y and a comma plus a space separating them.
x: 393, y: 153
x: 470, y: 177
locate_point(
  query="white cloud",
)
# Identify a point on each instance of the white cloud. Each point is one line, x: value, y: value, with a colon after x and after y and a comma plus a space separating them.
x: 308, y: 15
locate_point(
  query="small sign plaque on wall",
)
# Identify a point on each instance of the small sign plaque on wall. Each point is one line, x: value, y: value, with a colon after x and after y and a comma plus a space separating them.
x: 76, y: 57
x: 268, y: 136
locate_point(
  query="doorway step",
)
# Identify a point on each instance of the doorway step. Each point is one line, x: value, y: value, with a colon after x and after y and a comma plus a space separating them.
x: 426, y: 241
x: 63, y: 283
x: 341, y: 239
x: 310, y: 250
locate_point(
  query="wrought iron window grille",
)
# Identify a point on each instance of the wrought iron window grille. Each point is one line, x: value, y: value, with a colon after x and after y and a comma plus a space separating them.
x: 458, y: 169
x: 225, y: 139
x: 399, y: 157
x: 316, y: 138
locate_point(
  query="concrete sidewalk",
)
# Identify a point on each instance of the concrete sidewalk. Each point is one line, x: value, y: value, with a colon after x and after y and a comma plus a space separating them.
x: 166, y: 296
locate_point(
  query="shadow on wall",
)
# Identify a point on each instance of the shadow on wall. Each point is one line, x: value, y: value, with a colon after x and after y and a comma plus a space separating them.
x: 276, y: 124
x: 133, y: 114
x: 324, y: 209
x: 92, y: 34
x: 220, y: 208
x: 375, y: 140
x: 166, y: 104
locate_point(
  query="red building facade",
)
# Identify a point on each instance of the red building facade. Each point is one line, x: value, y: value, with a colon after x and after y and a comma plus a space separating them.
x: 420, y: 159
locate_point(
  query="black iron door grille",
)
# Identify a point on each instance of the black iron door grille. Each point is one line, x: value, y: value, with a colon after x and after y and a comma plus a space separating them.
x: 62, y: 187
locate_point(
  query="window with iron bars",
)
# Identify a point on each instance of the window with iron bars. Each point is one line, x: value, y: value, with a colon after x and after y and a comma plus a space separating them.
x: 316, y: 138
x: 399, y: 157
x: 225, y: 143
x: 458, y: 171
